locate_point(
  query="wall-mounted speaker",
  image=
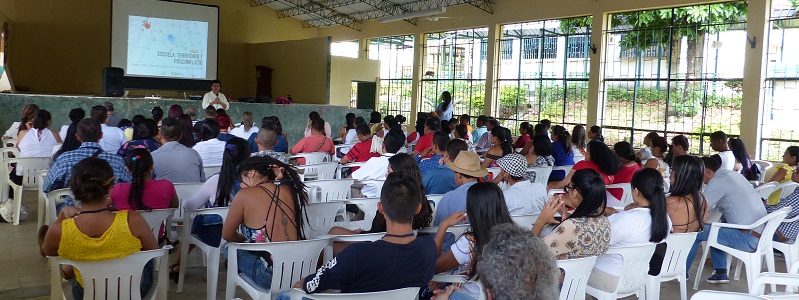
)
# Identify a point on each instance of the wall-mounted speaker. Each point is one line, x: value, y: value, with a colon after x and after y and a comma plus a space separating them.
x: 113, y: 84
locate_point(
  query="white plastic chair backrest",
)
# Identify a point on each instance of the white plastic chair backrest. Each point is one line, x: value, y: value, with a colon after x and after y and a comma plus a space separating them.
x: 29, y: 165
x: 330, y: 190
x: 764, y: 167
x: 400, y: 294
x: 626, y: 197
x: 541, y: 174
x: 116, y: 278
x: 186, y: 190
x: 367, y: 205
x: 211, y: 170
x: 635, y: 266
x: 53, y: 199
x: 320, y: 218
x: 575, y: 277
x: 323, y: 171
x: 57, y: 147
x: 312, y: 158
x: 785, y: 279
x: 189, y: 214
x: 719, y: 295
x: 291, y: 261
x: 772, y: 221
x: 156, y: 217
x: 378, y: 184
x: 787, y: 188
x: 525, y: 221
x: 434, y: 199
x: 677, y: 247
x: 765, y: 190
x: 456, y: 230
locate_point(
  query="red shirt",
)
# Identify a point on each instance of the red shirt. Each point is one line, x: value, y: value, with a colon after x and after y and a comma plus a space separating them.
x: 360, y: 152
x: 522, y: 140
x: 625, y: 174
x: 157, y: 194
x: 313, y: 143
x: 425, y: 142
x: 609, y: 179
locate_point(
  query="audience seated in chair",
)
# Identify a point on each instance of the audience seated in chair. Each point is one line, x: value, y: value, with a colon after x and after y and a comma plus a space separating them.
x: 268, y: 209
x: 317, y: 141
x: 112, y: 137
x: 736, y: 199
x: 98, y: 234
x: 439, y: 148
x: 210, y: 147
x: 376, y: 168
x: 467, y: 171
x: 144, y: 136
x: 523, y: 196
x: 441, y: 180
x: 502, y: 145
x: 362, y: 151
x: 266, y: 140
x: 143, y: 192
x: 174, y: 161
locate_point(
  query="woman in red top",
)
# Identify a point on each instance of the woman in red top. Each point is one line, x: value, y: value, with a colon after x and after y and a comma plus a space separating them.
x: 630, y: 163
x: 597, y: 157
x: 424, y: 147
x: 143, y: 192
x: 524, y: 135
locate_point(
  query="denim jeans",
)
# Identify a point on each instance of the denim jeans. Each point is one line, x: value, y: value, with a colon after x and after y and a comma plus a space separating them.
x: 252, y: 266
x: 146, y: 282
x: 728, y: 237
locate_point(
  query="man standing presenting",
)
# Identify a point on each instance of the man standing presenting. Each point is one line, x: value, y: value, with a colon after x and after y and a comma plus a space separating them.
x: 214, y: 97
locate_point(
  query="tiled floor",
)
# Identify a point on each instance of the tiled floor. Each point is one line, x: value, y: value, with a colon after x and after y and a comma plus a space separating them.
x: 24, y: 273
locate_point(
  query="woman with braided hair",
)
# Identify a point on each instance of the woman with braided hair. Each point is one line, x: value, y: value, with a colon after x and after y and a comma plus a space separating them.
x: 143, y: 192
x: 268, y: 208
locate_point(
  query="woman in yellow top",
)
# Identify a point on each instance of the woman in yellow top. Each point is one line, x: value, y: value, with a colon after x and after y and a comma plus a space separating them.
x: 93, y: 232
x: 790, y: 158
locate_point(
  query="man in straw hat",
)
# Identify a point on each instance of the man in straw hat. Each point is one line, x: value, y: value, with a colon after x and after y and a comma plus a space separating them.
x: 467, y: 171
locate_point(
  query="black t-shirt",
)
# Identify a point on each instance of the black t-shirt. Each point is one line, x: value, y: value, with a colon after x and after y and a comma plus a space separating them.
x: 376, y: 266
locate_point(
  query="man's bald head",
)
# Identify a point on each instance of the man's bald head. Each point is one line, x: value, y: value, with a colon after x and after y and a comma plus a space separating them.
x: 266, y: 139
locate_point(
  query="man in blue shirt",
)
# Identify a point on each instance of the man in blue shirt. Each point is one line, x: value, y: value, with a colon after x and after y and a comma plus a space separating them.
x: 481, y: 128
x: 269, y: 123
x: 441, y: 179
x: 440, y: 141
x: 467, y: 170
x: 89, y: 133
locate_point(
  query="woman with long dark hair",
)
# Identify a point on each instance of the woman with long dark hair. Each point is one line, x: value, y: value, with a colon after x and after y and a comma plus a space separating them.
x: 686, y: 205
x: 143, y: 192
x: 485, y: 208
x: 347, y: 133
x: 595, y: 134
x: 39, y: 140
x: 679, y: 146
x: 657, y: 151
x: 247, y: 128
x: 75, y: 115
x: 502, y: 145
x: 599, y: 158
x: 269, y: 208
x: 561, y: 151
x: 644, y: 221
x: 445, y: 108
x: 28, y: 113
x: 174, y: 111
x: 578, y: 139
x: 540, y: 154
x: 743, y: 164
x: 629, y: 162
x: 525, y: 130
x: 144, y: 134
x: 413, y: 137
x: 586, y: 231
x: 188, y: 138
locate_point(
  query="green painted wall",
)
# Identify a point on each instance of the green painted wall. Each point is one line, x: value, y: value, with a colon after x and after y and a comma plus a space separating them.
x: 292, y: 116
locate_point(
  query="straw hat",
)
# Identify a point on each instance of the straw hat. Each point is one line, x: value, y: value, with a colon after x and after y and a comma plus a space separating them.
x: 467, y: 163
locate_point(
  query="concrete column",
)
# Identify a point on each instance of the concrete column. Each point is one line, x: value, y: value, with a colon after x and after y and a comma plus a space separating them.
x: 757, y: 28
x: 595, y: 105
x: 419, y: 40
x: 363, y: 48
x: 492, y: 65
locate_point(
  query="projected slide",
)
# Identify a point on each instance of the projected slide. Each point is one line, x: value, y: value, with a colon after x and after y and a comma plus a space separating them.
x: 167, y: 48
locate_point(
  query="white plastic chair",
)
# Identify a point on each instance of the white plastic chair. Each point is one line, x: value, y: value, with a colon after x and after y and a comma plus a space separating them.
x: 156, y: 217
x: 635, y: 266
x: 765, y: 190
x: 677, y: 247
x: 367, y: 205
x: 764, y: 167
x: 626, y: 197
x: 456, y: 230
x: 719, y: 295
x: 321, y: 171
x: 210, y: 253
x: 787, y: 188
x: 291, y: 261
x: 211, y: 170
x: 108, y: 278
x: 54, y: 198
x: 312, y: 158
x: 565, y: 169
x: 752, y: 261
x: 320, y: 218
x: 541, y: 174
x: 434, y: 200
x: 447, y: 278
x: 378, y: 184
x: 329, y: 190
x: 349, y: 238
x: 400, y: 294
x: 789, y: 249
x: 42, y: 198
x: 340, y: 169
x: 790, y: 280
x: 525, y: 221
x: 29, y: 166
x: 575, y: 277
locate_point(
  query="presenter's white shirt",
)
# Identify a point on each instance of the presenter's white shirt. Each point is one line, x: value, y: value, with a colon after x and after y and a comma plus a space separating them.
x: 113, y: 138
x: 209, y: 96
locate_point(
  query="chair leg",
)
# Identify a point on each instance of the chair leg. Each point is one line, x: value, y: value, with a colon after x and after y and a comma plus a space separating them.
x: 212, y: 272
x: 184, y: 260
x: 769, y: 257
x: 737, y: 269
x: 701, y: 266
x: 652, y: 290
x: 683, y: 287
x: 17, y: 204
x: 56, y: 293
x: 41, y: 210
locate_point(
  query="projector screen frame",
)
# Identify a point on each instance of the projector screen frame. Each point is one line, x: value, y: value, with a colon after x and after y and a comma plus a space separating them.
x: 160, y: 83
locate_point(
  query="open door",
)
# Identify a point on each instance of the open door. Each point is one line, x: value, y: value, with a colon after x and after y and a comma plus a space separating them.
x: 366, y: 95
